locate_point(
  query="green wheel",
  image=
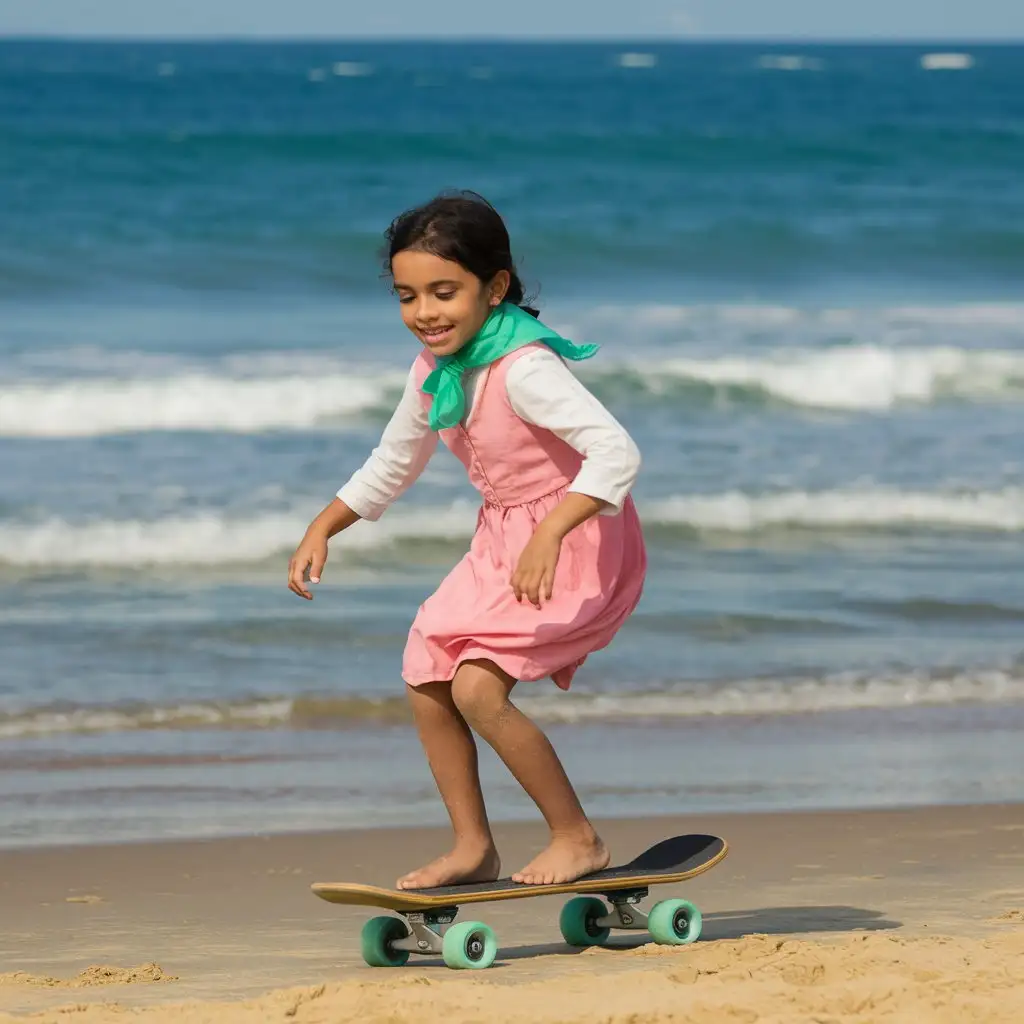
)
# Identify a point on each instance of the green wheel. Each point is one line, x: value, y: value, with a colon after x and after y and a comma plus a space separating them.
x: 578, y: 922
x: 470, y: 946
x: 378, y: 935
x: 674, y: 922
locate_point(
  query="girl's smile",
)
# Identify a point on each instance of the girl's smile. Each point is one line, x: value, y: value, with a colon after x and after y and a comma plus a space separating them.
x: 434, y: 337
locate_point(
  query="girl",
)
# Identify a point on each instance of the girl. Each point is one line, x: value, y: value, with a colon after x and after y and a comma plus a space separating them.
x: 557, y: 562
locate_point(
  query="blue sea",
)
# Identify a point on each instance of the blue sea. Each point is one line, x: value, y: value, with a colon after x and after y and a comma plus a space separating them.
x: 805, y: 267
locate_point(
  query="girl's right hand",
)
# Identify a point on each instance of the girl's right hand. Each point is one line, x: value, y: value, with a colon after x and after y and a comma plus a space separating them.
x: 310, y: 555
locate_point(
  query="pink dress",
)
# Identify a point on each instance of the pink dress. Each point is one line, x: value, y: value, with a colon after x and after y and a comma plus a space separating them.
x: 522, y: 472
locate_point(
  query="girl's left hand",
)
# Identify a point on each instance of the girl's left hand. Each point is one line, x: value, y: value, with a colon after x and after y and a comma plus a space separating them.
x: 534, y: 577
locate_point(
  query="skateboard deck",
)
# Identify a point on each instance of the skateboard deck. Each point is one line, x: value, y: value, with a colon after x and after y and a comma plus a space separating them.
x: 671, y: 860
x: 585, y: 921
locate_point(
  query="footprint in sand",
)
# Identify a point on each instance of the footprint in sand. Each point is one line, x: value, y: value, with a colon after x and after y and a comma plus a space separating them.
x: 1010, y: 917
x: 97, y: 974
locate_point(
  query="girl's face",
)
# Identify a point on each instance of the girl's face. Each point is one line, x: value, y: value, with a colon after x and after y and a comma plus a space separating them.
x: 442, y: 303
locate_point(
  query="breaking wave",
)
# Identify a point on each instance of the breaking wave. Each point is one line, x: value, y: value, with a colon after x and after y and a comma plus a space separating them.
x: 847, y: 360
x: 840, y: 692
x: 189, y: 402
x: 214, y: 538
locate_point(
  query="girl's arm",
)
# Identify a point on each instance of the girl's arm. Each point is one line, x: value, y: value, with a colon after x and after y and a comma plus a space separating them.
x: 405, y: 448
x: 545, y: 392
x: 393, y: 466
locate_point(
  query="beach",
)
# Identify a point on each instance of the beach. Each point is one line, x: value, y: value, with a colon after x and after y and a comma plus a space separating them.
x: 802, y: 265
x: 903, y: 915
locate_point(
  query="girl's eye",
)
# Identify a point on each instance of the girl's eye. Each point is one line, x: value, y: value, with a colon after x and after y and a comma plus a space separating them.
x: 405, y: 298
x: 445, y: 296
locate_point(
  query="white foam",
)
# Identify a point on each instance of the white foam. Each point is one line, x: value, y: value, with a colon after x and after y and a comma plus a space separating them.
x: 213, y: 539
x: 188, y: 401
x: 947, y: 61
x: 636, y: 60
x: 857, y: 377
x: 758, y: 697
x: 870, y: 508
x: 828, y: 358
x: 53, y: 722
x: 840, y: 692
x: 845, y: 377
x: 788, y: 62
x: 351, y: 69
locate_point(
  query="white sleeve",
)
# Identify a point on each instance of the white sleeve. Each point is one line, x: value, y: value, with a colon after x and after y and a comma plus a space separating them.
x: 405, y: 449
x: 546, y: 393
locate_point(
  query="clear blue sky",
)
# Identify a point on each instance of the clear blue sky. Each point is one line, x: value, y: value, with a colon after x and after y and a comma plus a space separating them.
x: 792, y: 19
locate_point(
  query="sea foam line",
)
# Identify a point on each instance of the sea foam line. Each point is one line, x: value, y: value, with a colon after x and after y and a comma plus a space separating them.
x: 857, y: 377
x: 189, y: 402
x: 769, y: 697
x: 851, y: 377
x: 215, y: 538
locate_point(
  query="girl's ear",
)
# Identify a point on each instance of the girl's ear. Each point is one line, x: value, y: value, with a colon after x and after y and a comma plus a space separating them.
x: 498, y: 288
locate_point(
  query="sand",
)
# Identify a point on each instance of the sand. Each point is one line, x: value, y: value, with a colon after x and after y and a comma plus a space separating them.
x: 907, y: 915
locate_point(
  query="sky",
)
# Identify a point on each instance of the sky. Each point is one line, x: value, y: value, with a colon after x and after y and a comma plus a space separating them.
x: 648, y: 19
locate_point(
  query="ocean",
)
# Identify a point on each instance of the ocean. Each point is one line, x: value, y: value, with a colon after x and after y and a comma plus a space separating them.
x: 804, y: 266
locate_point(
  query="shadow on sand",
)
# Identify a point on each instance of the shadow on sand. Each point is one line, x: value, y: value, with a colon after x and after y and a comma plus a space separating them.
x: 735, y: 924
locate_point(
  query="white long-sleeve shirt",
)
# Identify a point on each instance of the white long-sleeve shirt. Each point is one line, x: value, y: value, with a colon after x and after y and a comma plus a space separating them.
x: 543, y: 391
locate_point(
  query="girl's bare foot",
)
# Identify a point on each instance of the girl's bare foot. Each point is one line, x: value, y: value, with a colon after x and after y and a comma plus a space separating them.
x: 566, y: 859
x: 463, y: 864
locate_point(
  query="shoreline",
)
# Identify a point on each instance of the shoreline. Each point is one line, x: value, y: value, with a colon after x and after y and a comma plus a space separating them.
x: 234, y: 922
x: 166, y: 786
x: 528, y: 820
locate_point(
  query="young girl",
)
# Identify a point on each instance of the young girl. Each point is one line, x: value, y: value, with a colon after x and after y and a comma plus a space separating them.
x: 557, y: 562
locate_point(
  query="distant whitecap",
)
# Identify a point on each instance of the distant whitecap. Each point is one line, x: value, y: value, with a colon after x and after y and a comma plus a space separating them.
x: 166, y: 69
x: 351, y: 69
x: 788, y: 62
x: 636, y: 60
x: 947, y: 61
x: 316, y: 74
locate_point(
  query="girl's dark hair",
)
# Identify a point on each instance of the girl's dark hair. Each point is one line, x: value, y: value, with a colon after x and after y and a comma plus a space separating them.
x: 464, y: 228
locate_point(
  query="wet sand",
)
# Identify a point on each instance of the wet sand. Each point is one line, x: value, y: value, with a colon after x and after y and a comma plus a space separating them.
x: 914, y: 915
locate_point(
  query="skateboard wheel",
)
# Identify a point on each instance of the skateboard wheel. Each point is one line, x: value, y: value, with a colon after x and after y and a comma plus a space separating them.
x: 674, y: 922
x: 578, y: 922
x: 378, y: 935
x: 469, y: 946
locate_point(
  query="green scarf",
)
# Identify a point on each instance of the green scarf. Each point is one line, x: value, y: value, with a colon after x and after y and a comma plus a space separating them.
x: 505, y: 330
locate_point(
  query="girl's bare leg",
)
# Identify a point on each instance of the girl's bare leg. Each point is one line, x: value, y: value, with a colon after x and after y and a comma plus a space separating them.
x: 451, y: 752
x: 480, y: 691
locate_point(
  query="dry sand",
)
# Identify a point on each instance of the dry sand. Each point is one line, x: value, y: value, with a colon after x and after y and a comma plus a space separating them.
x: 910, y: 915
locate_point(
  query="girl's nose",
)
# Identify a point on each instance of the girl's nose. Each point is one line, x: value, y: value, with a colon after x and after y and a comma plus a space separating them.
x: 425, y: 312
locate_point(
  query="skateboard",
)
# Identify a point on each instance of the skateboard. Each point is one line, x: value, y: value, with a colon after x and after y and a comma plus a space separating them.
x: 426, y: 924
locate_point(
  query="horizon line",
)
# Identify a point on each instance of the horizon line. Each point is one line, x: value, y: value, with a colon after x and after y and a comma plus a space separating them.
x: 662, y: 41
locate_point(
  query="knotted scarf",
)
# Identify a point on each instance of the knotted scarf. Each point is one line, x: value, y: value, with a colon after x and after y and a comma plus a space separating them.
x: 507, y: 328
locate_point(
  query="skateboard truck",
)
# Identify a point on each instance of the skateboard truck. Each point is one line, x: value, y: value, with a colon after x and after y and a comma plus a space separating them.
x: 625, y: 913
x: 426, y: 930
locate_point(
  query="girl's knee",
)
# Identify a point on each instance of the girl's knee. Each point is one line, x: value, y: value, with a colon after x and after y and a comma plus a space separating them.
x: 430, y: 700
x: 480, y: 696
